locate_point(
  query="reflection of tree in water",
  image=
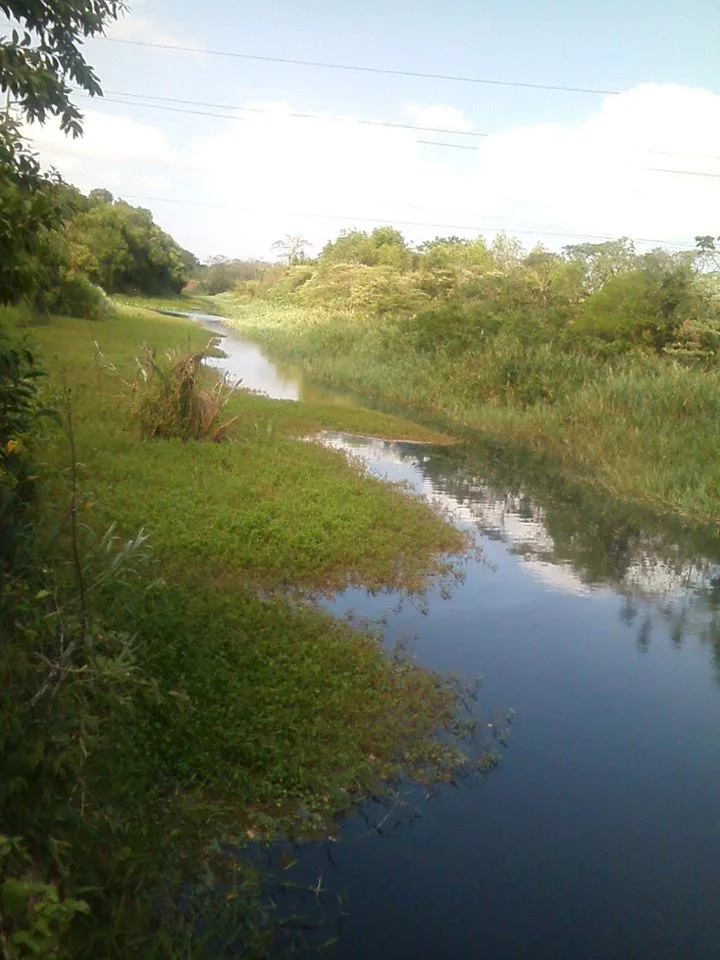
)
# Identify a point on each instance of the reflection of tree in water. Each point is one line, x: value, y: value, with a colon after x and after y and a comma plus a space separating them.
x: 668, y: 574
x: 696, y: 613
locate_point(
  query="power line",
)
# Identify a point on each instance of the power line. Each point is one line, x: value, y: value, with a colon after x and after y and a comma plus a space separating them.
x: 433, y: 143
x: 685, y: 173
x: 365, y: 69
x: 386, y: 71
x: 144, y: 100
x: 440, y: 143
x: 302, y: 116
x: 405, y: 223
x: 161, y: 106
x: 226, y: 116
x: 682, y: 153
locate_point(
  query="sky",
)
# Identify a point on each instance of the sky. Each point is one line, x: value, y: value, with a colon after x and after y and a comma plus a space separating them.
x: 555, y: 166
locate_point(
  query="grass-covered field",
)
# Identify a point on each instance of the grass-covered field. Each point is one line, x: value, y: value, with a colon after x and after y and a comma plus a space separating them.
x: 183, y: 303
x: 263, y: 512
x: 639, y: 426
x: 241, y: 706
x: 263, y: 508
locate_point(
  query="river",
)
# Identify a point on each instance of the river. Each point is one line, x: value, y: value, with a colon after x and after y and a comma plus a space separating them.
x: 599, y: 835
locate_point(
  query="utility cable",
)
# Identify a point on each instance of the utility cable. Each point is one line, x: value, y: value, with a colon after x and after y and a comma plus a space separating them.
x: 405, y: 223
x: 141, y: 99
x: 386, y: 71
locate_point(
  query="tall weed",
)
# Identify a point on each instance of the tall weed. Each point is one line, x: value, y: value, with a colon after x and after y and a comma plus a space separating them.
x: 173, y: 400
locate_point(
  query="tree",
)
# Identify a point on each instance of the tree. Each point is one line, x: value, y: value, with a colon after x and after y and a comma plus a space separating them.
x: 38, y: 60
x: 43, y: 55
x: 32, y: 207
x: 99, y: 196
x: 708, y: 253
x: 189, y: 261
x: 291, y: 249
x: 447, y: 262
x: 119, y: 247
x: 219, y: 274
x: 385, y: 246
x: 645, y: 306
x: 507, y: 251
x: 98, y: 247
x: 554, y: 281
x: 351, y: 246
x: 601, y: 261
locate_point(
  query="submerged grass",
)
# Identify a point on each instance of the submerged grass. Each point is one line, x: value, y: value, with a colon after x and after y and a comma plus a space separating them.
x: 641, y: 427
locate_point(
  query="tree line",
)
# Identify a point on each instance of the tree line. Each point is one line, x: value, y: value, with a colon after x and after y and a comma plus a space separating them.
x: 455, y: 294
x: 81, y: 243
x: 57, y: 245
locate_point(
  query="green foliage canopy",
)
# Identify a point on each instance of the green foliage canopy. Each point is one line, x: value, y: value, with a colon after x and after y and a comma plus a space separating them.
x: 119, y: 247
x: 38, y: 60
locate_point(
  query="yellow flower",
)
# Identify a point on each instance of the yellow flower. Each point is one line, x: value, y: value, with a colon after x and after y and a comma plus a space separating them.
x: 12, y: 446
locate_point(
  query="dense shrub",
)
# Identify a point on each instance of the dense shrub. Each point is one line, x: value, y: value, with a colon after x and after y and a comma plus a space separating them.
x: 645, y: 306
x: 451, y: 327
x: 76, y: 296
x: 378, y: 291
x: 19, y: 408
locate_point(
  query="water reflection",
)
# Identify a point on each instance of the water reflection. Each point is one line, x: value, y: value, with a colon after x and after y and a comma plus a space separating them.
x: 248, y: 362
x: 569, y: 540
x: 599, y: 837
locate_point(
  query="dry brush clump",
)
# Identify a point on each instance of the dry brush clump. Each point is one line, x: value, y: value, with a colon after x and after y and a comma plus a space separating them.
x: 173, y: 399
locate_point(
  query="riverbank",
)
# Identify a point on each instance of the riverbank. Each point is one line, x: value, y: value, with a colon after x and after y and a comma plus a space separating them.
x: 242, y: 708
x: 640, y: 427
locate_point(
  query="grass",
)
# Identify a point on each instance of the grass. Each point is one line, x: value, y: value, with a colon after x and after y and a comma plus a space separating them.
x: 261, y: 515
x: 264, y: 509
x: 242, y: 707
x: 639, y: 427
x: 182, y: 302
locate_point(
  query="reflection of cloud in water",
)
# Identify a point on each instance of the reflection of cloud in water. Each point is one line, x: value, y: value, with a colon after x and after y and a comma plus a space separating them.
x: 522, y: 525
x: 559, y: 577
x: 527, y: 538
x: 247, y: 362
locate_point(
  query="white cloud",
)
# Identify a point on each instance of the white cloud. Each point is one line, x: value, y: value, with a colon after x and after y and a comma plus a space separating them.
x: 115, y: 152
x: 594, y: 177
x: 268, y: 174
x: 106, y: 138
x: 438, y: 115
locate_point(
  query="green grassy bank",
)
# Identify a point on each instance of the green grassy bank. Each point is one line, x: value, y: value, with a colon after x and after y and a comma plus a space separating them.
x: 163, y: 698
x: 642, y: 427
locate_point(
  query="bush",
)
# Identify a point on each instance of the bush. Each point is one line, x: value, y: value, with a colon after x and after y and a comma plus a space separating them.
x: 168, y: 399
x: 375, y: 291
x: 76, y: 296
x: 453, y: 328
x: 19, y: 408
x: 644, y: 307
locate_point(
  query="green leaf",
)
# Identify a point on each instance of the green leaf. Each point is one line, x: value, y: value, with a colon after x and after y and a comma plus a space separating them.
x: 14, y: 894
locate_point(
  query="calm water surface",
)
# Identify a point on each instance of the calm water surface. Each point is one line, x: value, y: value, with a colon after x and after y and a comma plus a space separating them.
x: 599, y: 836
x: 249, y: 363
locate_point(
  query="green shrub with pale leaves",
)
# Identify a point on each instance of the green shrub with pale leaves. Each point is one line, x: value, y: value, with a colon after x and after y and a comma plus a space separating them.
x: 76, y: 296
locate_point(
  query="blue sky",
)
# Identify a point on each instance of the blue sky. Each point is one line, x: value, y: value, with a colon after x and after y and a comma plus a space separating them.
x: 557, y: 164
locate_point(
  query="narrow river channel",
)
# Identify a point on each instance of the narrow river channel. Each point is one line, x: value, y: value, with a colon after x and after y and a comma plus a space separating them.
x: 599, y: 835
